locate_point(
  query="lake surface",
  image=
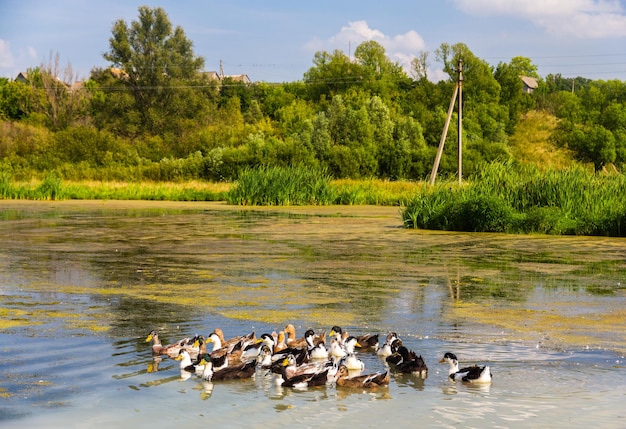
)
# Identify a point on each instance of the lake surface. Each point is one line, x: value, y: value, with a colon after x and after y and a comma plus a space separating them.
x: 83, y: 283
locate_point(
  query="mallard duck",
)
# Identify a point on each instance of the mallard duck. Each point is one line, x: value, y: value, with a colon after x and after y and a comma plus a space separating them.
x: 301, y: 380
x: 470, y: 374
x: 385, y: 350
x: 367, y: 381
x: 172, y: 349
x: 238, y: 371
x: 411, y: 363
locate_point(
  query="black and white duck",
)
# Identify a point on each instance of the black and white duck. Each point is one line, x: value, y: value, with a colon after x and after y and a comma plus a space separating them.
x: 470, y: 374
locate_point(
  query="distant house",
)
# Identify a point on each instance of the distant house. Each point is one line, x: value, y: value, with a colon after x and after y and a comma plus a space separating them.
x: 243, y: 78
x: 22, y: 77
x: 530, y: 84
x: 76, y: 86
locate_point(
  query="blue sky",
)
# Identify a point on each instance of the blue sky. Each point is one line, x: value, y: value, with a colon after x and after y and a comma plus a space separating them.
x: 275, y: 40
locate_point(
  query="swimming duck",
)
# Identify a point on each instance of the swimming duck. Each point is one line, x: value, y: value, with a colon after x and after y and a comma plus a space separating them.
x: 232, y: 342
x: 395, y: 358
x: 172, y: 349
x: 350, y: 360
x: 301, y: 380
x: 238, y: 371
x: 318, y: 352
x: 336, y: 349
x: 470, y: 374
x: 367, y: 381
x: 294, y: 368
x: 185, y: 362
x: 220, y: 354
x: 365, y: 342
x: 411, y: 363
x: 385, y: 350
x: 280, y: 342
x: 264, y: 358
x: 292, y: 341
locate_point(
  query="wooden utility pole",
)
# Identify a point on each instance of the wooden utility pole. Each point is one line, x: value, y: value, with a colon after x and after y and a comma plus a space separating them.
x: 457, y: 90
x: 460, y: 127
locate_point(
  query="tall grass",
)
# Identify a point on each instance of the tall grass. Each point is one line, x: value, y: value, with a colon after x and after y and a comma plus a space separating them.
x: 53, y: 188
x: 509, y: 198
x: 274, y: 186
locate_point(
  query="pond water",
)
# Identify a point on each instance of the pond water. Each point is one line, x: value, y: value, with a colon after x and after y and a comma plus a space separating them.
x: 83, y: 283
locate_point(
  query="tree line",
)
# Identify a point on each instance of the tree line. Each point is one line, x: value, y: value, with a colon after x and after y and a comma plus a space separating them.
x: 155, y: 114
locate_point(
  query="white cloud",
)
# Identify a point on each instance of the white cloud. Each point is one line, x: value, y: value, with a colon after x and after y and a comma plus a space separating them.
x: 12, y: 62
x: 568, y: 18
x: 6, y: 57
x: 400, y: 47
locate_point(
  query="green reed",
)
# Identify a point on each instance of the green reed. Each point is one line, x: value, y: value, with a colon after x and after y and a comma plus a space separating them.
x: 509, y: 198
x: 273, y: 186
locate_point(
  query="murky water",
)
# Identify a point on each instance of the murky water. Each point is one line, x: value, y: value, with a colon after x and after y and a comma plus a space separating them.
x: 82, y: 284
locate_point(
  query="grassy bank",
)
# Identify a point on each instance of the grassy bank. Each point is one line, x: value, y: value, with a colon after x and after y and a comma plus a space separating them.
x: 53, y: 188
x: 500, y: 198
x: 506, y: 198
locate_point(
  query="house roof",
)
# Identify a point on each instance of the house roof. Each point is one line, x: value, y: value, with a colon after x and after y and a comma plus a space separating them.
x: 530, y: 82
x: 235, y: 77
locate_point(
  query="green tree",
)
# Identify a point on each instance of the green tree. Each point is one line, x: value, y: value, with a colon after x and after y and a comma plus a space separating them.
x: 332, y: 74
x: 160, y: 70
x: 511, y: 88
x: 593, y: 144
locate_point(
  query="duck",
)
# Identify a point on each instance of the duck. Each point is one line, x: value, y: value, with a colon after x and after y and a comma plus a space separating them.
x: 395, y: 358
x: 232, y: 342
x: 319, y: 351
x: 338, y: 333
x: 411, y: 363
x: 470, y: 374
x: 280, y: 342
x: 292, y: 341
x: 238, y: 371
x: 220, y: 355
x: 350, y: 360
x: 294, y: 368
x: 170, y: 350
x: 264, y: 358
x: 336, y: 349
x: 367, y: 381
x: 385, y: 350
x: 186, y: 365
x: 365, y: 342
x: 301, y: 380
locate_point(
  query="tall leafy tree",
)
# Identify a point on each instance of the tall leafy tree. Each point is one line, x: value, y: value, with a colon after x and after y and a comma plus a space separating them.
x: 332, y: 74
x: 159, y: 67
x: 511, y: 88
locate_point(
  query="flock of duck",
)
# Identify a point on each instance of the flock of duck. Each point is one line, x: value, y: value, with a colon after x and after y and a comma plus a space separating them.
x: 305, y: 361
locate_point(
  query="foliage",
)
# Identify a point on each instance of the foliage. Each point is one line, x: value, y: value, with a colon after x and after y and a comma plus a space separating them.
x: 159, y: 70
x: 154, y: 115
x: 509, y: 198
x: 274, y: 186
